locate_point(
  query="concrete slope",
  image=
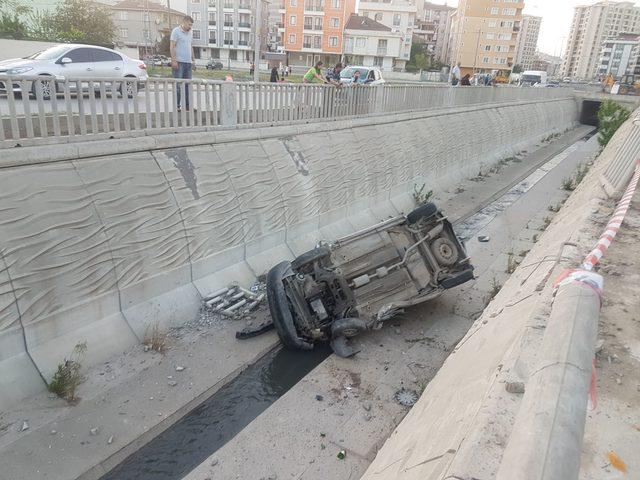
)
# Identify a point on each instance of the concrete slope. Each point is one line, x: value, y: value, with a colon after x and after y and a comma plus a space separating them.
x: 461, y: 424
x: 99, y: 249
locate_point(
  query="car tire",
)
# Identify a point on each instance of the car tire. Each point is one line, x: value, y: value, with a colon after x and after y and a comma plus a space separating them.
x: 310, y: 257
x: 280, y: 309
x: 46, y: 89
x: 348, y: 327
x: 445, y: 251
x: 423, y: 212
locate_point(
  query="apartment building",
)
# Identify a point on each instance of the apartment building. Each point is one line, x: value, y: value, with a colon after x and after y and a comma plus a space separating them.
x: 370, y: 43
x: 528, y: 41
x: 433, y: 28
x: 620, y: 56
x: 141, y: 23
x: 399, y: 15
x: 484, y: 35
x: 313, y: 30
x: 547, y: 63
x: 591, y: 26
x: 225, y: 30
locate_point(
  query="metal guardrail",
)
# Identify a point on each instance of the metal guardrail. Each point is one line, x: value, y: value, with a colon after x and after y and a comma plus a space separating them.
x: 46, y: 110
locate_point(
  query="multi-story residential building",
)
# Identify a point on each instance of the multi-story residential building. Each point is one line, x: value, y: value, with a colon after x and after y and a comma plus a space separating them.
x: 226, y: 29
x: 591, y: 26
x: 528, y: 41
x: 313, y: 30
x: 370, y: 43
x: 620, y: 56
x: 399, y: 15
x: 141, y: 23
x: 433, y: 28
x: 484, y: 35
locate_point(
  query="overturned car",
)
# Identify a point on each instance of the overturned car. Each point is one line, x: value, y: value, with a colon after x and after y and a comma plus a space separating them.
x: 355, y: 283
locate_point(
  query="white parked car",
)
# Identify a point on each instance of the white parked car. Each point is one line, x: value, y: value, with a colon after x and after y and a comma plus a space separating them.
x: 365, y: 75
x: 74, y: 61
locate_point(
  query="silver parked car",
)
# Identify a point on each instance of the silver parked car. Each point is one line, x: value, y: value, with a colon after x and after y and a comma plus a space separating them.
x: 74, y: 61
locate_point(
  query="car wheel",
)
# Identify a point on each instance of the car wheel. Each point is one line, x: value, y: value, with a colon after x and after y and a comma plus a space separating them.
x: 310, y: 257
x: 348, y: 327
x: 48, y: 89
x: 128, y: 87
x: 445, y: 251
x: 281, y: 310
x: 425, y: 211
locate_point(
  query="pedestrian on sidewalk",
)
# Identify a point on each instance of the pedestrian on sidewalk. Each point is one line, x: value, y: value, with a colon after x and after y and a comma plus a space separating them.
x: 466, y: 81
x: 252, y: 67
x: 182, y: 63
x: 455, y: 74
x: 274, y: 75
x: 290, y: 70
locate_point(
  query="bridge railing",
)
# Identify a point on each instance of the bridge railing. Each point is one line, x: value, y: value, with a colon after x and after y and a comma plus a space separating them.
x: 41, y: 109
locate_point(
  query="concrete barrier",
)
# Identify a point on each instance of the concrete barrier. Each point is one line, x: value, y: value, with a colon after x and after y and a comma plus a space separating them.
x: 98, y: 249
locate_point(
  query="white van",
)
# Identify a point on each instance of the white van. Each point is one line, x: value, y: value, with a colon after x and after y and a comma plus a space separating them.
x: 533, y: 78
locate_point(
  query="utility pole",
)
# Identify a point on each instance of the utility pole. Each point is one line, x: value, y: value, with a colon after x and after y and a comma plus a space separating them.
x: 169, y: 14
x: 256, y: 42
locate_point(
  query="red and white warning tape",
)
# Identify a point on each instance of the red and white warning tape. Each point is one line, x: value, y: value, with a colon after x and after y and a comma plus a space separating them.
x: 606, y: 239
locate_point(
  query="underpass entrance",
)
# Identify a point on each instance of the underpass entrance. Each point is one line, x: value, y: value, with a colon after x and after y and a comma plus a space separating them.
x: 589, y: 112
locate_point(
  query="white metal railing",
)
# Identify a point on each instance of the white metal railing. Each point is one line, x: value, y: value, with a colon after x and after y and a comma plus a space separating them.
x: 45, y: 110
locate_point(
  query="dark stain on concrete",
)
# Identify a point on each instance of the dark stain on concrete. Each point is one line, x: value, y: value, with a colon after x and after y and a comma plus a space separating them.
x: 298, y: 158
x: 183, y: 163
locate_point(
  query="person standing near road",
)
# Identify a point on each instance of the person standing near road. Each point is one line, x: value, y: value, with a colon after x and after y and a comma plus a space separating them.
x: 274, y: 75
x: 455, y: 74
x: 252, y: 67
x: 314, y: 74
x: 182, y: 56
x: 466, y: 81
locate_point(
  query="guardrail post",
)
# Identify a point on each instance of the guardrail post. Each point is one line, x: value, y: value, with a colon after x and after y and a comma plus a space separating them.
x: 379, y: 99
x: 228, y: 104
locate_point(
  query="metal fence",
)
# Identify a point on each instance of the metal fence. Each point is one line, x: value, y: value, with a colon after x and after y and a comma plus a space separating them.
x: 45, y: 110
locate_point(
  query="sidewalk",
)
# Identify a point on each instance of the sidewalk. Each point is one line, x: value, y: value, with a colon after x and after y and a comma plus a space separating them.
x: 614, y: 425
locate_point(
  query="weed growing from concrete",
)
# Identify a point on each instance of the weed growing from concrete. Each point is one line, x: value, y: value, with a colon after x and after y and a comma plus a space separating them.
x: 512, y: 263
x: 420, y: 196
x: 68, y: 377
x: 567, y: 184
x: 534, y: 239
x: 554, y: 208
x: 458, y: 189
x: 523, y: 253
x: 581, y: 173
x: 495, y: 288
x: 155, y: 339
x: 546, y: 221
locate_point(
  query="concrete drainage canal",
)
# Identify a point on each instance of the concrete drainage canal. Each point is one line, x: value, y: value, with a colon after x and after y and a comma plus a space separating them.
x: 214, y: 423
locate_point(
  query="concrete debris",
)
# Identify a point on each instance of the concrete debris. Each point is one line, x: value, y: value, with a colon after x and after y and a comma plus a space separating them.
x: 172, y: 383
x: 233, y: 302
x: 599, y: 345
x: 53, y: 432
x: 94, y: 431
x: 214, y: 462
x: 110, y: 441
x: 514, y: 387
x: 319, y: 398
x: 25, y: 426
x: 483, y: 238
x: 179, y: 368
x: 367, y: 406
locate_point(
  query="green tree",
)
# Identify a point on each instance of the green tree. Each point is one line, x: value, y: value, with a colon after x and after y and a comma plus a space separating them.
x: 517, y: 69
x: 76, y: 21
x: 162, y: 47
x: 419, y: 59
x: 12, y: 23
x: 611, y: 116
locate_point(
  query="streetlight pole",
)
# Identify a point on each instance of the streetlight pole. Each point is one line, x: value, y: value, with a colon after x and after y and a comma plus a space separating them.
x: 256, y: 42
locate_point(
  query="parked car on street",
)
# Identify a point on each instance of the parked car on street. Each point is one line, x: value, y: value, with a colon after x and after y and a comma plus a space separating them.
x: 160, y: 61
x: 367, y: 75
x: 357, y: 282
x: 77, y: 62
x: 214, y: 64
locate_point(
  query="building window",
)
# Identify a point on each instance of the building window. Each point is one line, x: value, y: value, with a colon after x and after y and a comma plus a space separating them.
x: 292, y: 38
x: 195, y: 16
x: 361, y: 42
x: 508, y: 11
x: 493, y: 23
x: 317, y: 23
x: 195, y: 1
x: 485, y: 59
x: 308, y: 23
x: 233, y: 54
x: 317, y: 42
x: 146, y: 34
x: 196, y: 34
x: 487, y: 48
x: 293, y: 3
x: 292, y: 20
x: 333, y: 41
x: 335, y: 22
x: 495, y: 10
x: 396, y: 19
x: 335, y: 3
x: 124, y: 32
x: 490, y: 36
x: 123, y: 14
x: 145, y: 16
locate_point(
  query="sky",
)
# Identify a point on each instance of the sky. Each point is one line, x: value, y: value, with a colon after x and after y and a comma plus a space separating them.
x: 556, y: 19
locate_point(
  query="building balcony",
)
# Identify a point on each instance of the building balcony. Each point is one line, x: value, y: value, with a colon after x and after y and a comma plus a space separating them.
x: 212, y: 23
x: 279, y: 25
x: 228, y: 24
x: 243, y: 43
x: 244, y: 7
x: 382, y: 52
x: 306, y: 45
x: 228, y: 5
x: 228, y: 42
x: 212, y: 41
x: 244, y: 25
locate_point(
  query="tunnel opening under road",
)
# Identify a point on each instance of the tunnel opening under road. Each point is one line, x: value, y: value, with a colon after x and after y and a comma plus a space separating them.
x: 589, y: 112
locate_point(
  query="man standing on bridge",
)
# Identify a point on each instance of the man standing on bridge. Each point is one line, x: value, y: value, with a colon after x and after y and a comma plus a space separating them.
x: 455, y: 74
x: 182, y: 56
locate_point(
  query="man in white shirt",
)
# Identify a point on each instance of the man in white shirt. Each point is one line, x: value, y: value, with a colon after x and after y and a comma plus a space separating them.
x: 455, y: 74
x: 182, y: 56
